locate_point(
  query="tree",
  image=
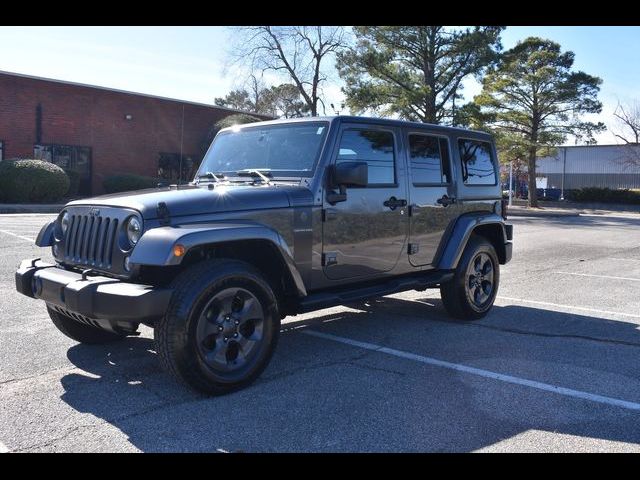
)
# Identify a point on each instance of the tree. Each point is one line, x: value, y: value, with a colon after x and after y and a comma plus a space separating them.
x: 277, y: 101
x: 238, y: 100
x: 298, y: 53
x: 284, y: 101
x: 627, y: 129
x: 534, y: 100
x: 415, y: 72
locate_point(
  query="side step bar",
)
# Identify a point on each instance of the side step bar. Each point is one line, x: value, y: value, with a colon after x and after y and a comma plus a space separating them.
x: 326, y: 299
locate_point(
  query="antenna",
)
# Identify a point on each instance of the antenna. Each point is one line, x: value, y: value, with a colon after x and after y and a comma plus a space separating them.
x: 181, y: 142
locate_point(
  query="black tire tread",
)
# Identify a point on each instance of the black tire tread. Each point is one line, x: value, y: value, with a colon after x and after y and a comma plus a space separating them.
x: 169, y: 332
x: 453, y: 294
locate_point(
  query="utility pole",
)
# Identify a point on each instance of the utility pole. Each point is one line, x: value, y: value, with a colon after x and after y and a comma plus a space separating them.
x: 564, y: 168
x: 510, y: 182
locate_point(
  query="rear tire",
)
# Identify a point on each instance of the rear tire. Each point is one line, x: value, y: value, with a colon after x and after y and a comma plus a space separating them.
x: 221, y: 327
x: 79, y: 331
x: 472, y: 291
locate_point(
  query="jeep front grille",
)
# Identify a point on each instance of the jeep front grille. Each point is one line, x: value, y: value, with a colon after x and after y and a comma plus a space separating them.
x: 91, y: 240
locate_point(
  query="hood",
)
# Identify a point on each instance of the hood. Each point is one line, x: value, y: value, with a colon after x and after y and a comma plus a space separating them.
x: 194, y: 200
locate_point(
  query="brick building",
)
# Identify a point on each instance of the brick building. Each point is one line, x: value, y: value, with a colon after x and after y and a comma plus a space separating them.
x: 99, y: 131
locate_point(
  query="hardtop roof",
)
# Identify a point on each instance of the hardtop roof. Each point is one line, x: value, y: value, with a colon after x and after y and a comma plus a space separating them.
x: 369, y: 121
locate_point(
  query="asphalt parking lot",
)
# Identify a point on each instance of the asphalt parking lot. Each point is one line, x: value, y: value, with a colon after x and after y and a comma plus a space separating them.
x: 554, y: 367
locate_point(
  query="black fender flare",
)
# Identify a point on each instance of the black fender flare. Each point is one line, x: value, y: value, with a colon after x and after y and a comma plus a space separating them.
x: 455, y: 242
x: 45, y: 235
x: 155, y: 247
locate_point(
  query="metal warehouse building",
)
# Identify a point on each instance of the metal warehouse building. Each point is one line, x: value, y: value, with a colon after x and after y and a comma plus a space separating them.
x: 604, y: 166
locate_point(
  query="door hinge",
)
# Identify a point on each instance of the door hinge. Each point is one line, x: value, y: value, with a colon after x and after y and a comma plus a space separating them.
x: 329, y: 258
x: 413, y: 248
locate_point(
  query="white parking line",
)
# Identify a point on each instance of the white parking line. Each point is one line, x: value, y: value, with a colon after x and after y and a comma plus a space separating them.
x: 19, y: 236
x: 479, y: 372
x: 599, y: 276
x: 3, y: 448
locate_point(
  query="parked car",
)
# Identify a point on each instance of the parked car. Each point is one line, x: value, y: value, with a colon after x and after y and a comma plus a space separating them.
x: 283, y: 217
x: 549, y: 194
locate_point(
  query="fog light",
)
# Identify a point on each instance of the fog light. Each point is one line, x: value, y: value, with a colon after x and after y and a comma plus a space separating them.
x: 178, y: 250
x: 127, y: 263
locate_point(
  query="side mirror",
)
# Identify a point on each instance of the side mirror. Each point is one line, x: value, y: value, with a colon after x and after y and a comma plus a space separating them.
x: 351, y: 174
x: 346, y: 174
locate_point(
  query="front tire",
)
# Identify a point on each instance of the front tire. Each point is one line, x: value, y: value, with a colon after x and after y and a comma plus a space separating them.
x: 79, y: 331
x: 221, y: 327
x: 473, y: 289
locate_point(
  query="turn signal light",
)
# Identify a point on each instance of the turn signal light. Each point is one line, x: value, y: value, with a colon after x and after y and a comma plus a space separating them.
x: 178, y: 250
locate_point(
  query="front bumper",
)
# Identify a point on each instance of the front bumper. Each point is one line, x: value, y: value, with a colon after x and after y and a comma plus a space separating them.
x: 96, y: 300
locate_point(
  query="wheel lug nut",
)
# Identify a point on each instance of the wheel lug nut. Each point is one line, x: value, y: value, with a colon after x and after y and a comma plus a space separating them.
x: 226, y: 339
x: 220, y: 328
x: 235, y: 335
x: 237, y: 322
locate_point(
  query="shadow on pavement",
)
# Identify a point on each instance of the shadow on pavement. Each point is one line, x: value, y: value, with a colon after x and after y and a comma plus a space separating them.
x: 319, y: 395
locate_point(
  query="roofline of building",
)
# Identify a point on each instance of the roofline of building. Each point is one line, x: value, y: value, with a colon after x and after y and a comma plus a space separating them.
x: 600, y: 145
x: 127, y: 92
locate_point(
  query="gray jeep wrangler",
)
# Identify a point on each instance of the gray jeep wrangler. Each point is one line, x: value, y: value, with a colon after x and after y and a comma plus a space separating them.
x: 283, y: 217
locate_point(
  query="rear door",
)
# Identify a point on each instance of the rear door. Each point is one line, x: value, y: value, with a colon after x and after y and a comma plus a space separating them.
x: 433, y: 195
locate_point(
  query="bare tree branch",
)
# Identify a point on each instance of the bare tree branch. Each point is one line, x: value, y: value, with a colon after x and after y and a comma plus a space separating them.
x: 298, y: 53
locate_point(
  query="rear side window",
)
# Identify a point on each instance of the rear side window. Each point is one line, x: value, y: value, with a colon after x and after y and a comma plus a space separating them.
x: 429, y: 159
x: 374, y: 147
x: 477, y: 162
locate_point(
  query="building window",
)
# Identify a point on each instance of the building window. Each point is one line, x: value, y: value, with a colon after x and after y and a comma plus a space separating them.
x: 1, y: 150
x: 376, y: 147
x: 169, y: 166
x: 478, y: 166
x: 73, y: 159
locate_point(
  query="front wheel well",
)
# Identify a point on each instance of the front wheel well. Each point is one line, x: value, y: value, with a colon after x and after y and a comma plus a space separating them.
x: 262, y: 254
x: 494, y: 233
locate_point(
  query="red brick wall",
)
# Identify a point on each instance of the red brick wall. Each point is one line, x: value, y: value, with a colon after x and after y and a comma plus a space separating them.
x: 93, y: 117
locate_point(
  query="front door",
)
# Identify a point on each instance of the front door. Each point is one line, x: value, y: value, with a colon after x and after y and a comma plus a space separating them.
x: 433, y: 197
x: 365, y: 235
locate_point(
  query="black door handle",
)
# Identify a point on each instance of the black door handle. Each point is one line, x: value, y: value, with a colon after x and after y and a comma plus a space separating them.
x: 445, y: 200
x: 394, y: 203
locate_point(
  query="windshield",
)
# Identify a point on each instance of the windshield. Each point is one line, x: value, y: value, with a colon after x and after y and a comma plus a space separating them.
x: 284, y: 150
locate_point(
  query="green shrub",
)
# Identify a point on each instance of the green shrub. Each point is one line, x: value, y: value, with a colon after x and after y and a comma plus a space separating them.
x: 126, y: 181
x: 604, y: 195
x: 35, y: 181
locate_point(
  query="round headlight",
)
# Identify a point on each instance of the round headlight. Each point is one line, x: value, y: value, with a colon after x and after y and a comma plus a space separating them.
x: 61, y: 226
x: 134, y: 230
x: 64, y: 222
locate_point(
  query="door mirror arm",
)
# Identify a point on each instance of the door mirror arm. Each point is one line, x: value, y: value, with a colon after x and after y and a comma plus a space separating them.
x: 333, y: 197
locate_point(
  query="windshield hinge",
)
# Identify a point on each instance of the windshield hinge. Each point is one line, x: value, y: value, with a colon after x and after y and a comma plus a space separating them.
x: 163, y: 213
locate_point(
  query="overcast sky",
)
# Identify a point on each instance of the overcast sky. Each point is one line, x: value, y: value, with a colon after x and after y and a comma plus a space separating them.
x: 189, y: 62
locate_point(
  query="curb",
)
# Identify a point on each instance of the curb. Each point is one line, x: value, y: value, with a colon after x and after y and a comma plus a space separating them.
x: 540, y: 213
x: 30, y: 208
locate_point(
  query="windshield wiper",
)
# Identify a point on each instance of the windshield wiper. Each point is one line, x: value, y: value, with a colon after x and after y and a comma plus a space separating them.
x: 254, y: 172
x: 216, y: 177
